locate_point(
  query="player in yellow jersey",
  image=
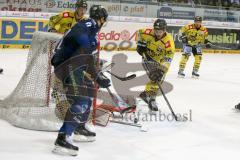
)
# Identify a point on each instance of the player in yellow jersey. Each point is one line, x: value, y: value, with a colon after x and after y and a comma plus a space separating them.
x: 157, y: 48
x: 65, y: 20
x: 193, y: 37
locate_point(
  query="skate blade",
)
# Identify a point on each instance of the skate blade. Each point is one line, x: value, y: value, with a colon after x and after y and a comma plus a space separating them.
x: 82, y: 138
x: 151, y: 112
x: 64, y: 151
x: 195, y: 77
x: 236, y: 110
x: 180, y: 76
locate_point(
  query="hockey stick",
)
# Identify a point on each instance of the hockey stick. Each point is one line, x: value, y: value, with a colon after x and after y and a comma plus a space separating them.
x: 220, y: 47
x: 160, y: 87
x: 107, y: 68
x: 122, y: 78
x: 141, y: 127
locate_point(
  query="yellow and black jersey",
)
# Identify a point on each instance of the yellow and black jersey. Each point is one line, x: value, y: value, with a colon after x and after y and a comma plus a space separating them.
x: 63, y: 21
x: 194, y: 36
x: 161, y: 51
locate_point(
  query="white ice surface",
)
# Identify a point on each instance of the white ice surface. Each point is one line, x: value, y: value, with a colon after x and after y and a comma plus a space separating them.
x: 214, y: 132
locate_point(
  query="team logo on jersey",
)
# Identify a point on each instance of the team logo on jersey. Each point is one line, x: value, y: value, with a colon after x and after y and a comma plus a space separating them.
x: 66, y: 14
x: 148, y: 31
x: 190, y: 27
x: 168, y: 44
x: 88, y: 24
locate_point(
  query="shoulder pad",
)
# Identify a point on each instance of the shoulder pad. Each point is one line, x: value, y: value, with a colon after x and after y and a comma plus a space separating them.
x: 148, y: 31
x: 203, y: 28
x: 190, y: 26
x: 168, y: 44
x: 67, y: 14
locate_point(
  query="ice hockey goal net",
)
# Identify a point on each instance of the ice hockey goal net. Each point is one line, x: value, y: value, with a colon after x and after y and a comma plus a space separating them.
x: 31, y: 104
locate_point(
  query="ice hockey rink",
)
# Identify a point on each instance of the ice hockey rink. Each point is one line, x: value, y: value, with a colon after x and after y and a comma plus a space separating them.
x: 213, y: 132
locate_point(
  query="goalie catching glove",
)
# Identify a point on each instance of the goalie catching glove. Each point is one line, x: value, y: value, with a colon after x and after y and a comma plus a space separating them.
x: 156, y: 75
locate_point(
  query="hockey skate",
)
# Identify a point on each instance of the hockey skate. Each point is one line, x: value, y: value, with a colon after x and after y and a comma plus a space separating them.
x: 83, y: 134
x: 237, y: 107
x: 64, y: 146
x: 150, y: 101
x: 181, y: 74
x: 195, y: 74
x: 1, y: 70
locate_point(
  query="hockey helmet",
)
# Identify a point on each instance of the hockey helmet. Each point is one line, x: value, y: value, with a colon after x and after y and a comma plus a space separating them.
x: 198, y: 19
x: 97, y: 12
x: 81, y: 3
x: 160, y: 24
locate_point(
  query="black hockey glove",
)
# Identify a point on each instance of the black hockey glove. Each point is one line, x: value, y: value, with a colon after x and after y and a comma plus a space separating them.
x: 52, y: 30
x: 103, y: 81
x: 184, y: 39
x: 141, y: 47
x: 156, y: 75
x: 207, y: 43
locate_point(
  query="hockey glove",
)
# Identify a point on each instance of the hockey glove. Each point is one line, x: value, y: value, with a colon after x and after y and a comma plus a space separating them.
x: 156, y: 75
x: 141, y: 47
x: 52, y: 30
x: 207, y: 43
x: 103, y: 81
x: 184, y: 39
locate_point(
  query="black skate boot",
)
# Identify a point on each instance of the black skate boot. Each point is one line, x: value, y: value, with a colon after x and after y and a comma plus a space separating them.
x: 181, y: 74
x: 64, y: 146
x: 83, y: 134
x: 1, y: 70
x: 195, y: 74
x: 237, y: 106
x: 150, y: 101
x: 152, y: 105
x: 144, y: 97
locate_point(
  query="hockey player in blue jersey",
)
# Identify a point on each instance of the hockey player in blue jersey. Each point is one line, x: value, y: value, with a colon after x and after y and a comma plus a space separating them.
x: 75, y: 65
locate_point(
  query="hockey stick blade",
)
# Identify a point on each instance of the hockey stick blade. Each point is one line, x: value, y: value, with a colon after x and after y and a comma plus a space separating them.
x: 132, y: 76
x: 220, y: 47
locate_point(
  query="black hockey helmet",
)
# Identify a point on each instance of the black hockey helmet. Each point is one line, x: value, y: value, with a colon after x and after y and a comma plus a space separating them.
x: 160, y: 24
x: 81, y: 3
x: 198, y: 19
x: 97, y: 12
